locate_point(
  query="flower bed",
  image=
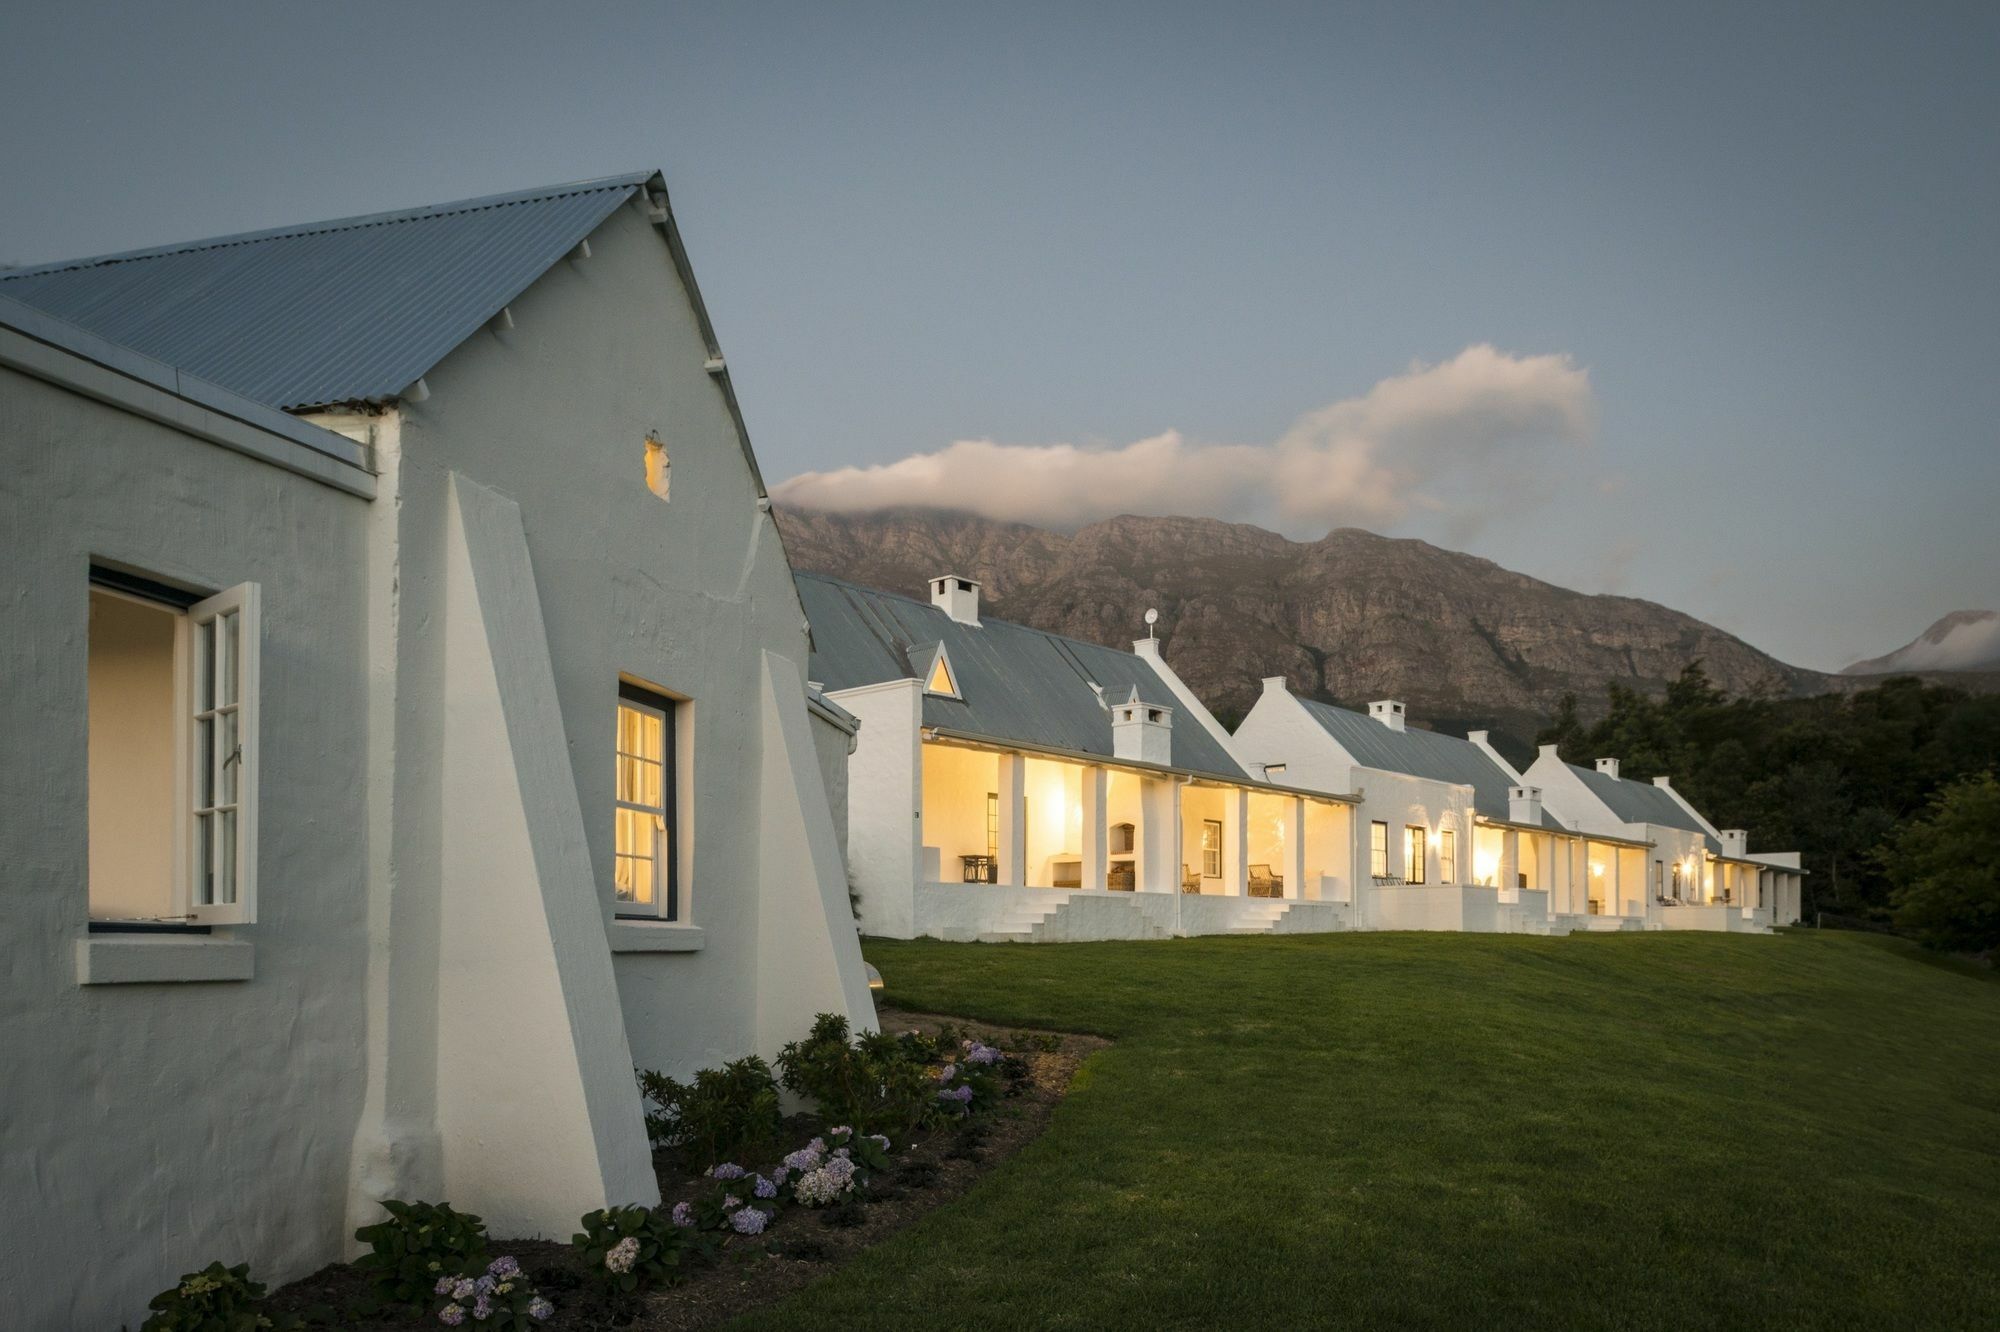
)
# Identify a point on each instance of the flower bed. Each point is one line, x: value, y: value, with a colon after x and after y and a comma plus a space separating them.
x: 775, y: 1225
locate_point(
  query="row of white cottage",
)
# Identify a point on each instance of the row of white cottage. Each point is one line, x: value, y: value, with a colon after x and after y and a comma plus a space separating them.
x: 1014, y: 785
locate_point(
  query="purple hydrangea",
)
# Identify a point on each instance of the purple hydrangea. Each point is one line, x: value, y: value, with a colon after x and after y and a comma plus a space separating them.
x: 780, y: 1175
x: 451, y: 1315
x: 960, y: 1094
x: 539, y: 1308
x: 504, y: 1267
x: 764, y: 1188
x: 831, y: 1181
x: 463, y: 1289
x: 482, y: 1308
x: 749, y: 1221
x: 485, y: 1285
x: 730, y: 1200
x: 683, y: 1214
x: 947, y: 1073
x: 444, y: 1285
x: 982, y: 1054
x: 806, y: 1157
x: 727, y: 1170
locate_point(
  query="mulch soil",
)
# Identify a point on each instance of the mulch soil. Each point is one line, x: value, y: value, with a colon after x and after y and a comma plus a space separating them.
x: 801, y: 1244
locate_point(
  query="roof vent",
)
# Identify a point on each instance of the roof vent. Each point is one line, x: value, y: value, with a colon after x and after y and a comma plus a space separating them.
x: 1387, y: 711
x: 1608, y: 766
x: 956, y: 597
x: 1142, y: 732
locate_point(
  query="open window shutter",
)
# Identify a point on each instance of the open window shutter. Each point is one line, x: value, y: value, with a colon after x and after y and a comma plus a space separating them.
x: 223, y: 642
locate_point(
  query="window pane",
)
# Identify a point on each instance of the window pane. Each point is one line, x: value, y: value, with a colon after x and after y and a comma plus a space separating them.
x: 634, y: 880
x: 204, y: 859
x: 650, y: 740
x: 204, y: 764
x: 204, y: 667
x: 639, y: 782
x: 226, y: 668
x: 228, y: 762
x: 225, y: 858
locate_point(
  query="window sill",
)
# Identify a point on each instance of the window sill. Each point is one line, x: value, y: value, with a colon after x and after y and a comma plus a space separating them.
x: 645, y: 936
x: 153, y: 959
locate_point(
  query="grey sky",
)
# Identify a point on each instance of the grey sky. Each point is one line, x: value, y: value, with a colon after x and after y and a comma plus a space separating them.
x: 1765, y: 234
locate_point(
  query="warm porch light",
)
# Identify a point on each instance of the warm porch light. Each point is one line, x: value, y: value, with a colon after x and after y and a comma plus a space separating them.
x: 1485, y: 868
x: 1596, y: 869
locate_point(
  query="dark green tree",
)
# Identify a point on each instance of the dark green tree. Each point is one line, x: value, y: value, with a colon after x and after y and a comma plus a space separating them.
x: 1945, y: 866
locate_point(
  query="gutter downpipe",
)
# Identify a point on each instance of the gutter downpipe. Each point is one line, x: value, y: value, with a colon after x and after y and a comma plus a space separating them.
x: 1180, y: 834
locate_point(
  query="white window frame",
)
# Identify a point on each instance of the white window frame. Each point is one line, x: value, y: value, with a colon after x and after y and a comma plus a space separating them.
x: 1447, y: 856
x: 1416, y: 838
x: 1378, y: 856
x: 244, y: 602
x: 1211, y: 849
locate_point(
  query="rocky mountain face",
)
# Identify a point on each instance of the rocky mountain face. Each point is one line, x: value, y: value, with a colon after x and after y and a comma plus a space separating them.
x: 1350, y: 617
x: 1967, y: 640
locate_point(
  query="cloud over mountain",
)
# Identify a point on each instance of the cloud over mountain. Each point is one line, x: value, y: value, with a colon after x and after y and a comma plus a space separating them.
x: 1446, y: 440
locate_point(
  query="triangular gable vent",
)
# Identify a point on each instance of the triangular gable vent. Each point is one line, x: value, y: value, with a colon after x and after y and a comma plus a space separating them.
x: 939, y: 678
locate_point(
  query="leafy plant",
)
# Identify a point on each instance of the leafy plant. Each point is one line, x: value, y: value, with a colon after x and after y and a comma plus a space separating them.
x: 879, y: 1083
x: 629, y: 1249
x: 725, y: 1112
x: 500, y: 1297
x: 1945, y: 867
x: 215, y: 1299
x: 417, y: 1245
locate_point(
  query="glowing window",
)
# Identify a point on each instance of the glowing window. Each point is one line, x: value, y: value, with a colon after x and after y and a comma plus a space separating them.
x: 1448, y: 856
x: 941, y: 681
x: 1413, y: 853
x: 1378, y: 850
x: 645, y: 840
x: 659, y: 467
x: 1211, y: 848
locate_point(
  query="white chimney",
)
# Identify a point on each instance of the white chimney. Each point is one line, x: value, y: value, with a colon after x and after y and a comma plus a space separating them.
x: 1551, y: 752
x: 1387, y: 711
x: 956, y: 597
x: 1524, y: 805
x: 1735, y: 843
x: 1275, y: 684
x: 1663, y: 782
x: 1609, y: 767
x: 1142, y: 732
x: 1480, y: 738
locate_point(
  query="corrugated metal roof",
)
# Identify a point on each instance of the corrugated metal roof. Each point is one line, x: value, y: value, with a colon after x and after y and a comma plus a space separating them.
x: 1641, y: 802
x: 1018, y: 684
x: 353, y: 309
x: 1441, y: 758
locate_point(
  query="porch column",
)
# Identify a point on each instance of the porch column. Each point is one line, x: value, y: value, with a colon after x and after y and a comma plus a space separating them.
x: 1509, y: 873
x: 1013, y: 866
x: 1294, y: 868
x: 1156, y: 850
x: 1096, y: 785
x: 1235, y: 841
x: 1617, y: 877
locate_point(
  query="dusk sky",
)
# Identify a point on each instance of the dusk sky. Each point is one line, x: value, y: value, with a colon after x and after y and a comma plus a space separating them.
x: 1695, y: 304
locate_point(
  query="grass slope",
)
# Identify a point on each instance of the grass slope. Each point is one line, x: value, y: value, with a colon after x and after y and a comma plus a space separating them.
x: 1466, y: 1130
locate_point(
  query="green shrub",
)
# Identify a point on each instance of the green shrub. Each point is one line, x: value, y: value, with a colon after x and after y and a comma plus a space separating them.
x: 879, y: 1083
x: 629, y: 1249
x: 1946, y: 867
x: 726, y: 1112
x: 420, y: 1243
x: 215, y: 1299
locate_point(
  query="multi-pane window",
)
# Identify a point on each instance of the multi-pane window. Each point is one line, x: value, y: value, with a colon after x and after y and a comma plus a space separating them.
x: 645, y: 871
x: 1413, y: 853
x: 171, y: 698
x: 992, y: 824
x: 1448, y: 856
x: 1677, y: 881
x: 1211, y: 848
x: 1378, y: 850
x: 1659, y: 879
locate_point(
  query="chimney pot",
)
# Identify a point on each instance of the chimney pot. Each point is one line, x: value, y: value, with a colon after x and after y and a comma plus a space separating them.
x: 1387, y: 711
x: 957, y: 597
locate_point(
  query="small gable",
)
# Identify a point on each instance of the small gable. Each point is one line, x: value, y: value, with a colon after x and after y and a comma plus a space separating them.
x: 933, y: 666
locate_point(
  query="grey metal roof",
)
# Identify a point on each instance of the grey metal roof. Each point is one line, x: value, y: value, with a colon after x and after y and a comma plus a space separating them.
x: 1441, y: 758
x: 353, y: 309
x: 1641, y: 802
x: 1018, y: 684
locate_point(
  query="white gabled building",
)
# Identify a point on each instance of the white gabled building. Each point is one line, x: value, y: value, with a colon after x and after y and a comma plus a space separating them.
x: 1447, y: 835
x: 410, y: 734
x: 1012, y: 784
x: 1691, y: 875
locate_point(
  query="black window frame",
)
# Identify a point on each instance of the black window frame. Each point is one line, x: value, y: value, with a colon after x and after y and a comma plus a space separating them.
x: 670, y: 799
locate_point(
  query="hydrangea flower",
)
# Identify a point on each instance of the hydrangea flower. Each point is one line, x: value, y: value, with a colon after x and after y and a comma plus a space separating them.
x: 807, y: 1157
x: 484, y: 1285
x: 982, y: 1054
x: 880, y: 1140
x: 780, y: 1175
x: 834, y: 1132
x: 539, y: 1308
x: 749, y: 1221
x: 620, y: 1257
x: 463, y: 1289
x: 444, y: 1285
x: 831, y: 1181
x: 451, y: 1315
x: 730, y: 1200
x: 683, y: 1214
x: 947, y: 1073
x: 482, y: 1308
x: 727, y: 1170
x: 764, y: 1188
x: 504, y: 1267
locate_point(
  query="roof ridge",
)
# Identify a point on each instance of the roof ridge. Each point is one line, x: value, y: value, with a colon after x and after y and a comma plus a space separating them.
x: 327, y: 226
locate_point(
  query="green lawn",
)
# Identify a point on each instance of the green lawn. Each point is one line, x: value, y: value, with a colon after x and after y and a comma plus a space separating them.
x: 1467, y: 1131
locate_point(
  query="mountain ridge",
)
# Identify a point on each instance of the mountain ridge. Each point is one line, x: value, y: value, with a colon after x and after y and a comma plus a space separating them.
x: 1963, y: 640
x: 1351, y: 616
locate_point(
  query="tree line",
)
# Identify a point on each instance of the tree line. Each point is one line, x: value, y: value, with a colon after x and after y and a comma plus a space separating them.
x: 1889, y: 793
